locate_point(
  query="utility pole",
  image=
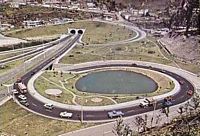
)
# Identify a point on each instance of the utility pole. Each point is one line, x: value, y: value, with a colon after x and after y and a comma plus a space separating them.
x: 23, y: 58
x: 154, y: 108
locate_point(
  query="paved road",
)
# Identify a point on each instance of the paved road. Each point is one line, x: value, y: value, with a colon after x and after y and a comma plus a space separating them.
x: 181, y: 96
x: 28, y: 53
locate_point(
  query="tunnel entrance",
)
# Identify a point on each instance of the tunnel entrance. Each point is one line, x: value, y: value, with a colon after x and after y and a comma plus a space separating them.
x: 73, y: 31
x: 80, y: 31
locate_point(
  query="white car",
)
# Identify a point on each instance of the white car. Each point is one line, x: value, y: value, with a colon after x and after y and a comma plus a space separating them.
x: 14, y: 91
x: 48, y: 106
x: 22, y: 97
x: 65, y: 114
x: 114, y: 113
x: 146, y: 103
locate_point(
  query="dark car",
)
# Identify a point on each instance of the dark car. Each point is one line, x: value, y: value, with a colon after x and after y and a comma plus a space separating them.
x: 167, y: 103
x: 24, y: 102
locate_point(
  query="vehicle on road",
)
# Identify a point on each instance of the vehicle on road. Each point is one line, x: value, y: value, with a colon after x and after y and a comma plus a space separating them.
x: 115, y: 113
x: 24, y: 102
x: 167, y: 104
x: 14, y: 91
x: 22, y: 97
x: 65, y: 114
x: 22, y: 88
x: 48, y: 106
x: 181, y: 82
x: 147, y: 102
x: 190, y: 92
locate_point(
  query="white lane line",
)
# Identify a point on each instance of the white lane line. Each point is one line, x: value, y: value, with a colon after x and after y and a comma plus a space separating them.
x: 34, y: 104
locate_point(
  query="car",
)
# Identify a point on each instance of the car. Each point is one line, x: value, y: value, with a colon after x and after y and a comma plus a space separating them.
x: 181, y: 82
x: 167, y: 104
x: 32, y: 73
x: 24, y: 102
x: 14, y: 91
x: 65, y: 114
x: 190, y: 92
x: 115, y: 113
x: 146, y: 103
x: 48, y: 106
x: 22, y: 97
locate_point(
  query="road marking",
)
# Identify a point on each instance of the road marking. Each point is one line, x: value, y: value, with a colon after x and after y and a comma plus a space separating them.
x: 48, y: 110
x: 34, y: 104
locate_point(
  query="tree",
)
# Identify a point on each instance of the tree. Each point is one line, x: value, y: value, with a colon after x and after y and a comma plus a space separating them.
x: 187, y: 15
x: 121, y: 129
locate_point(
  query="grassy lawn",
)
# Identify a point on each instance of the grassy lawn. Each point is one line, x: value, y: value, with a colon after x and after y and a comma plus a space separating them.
x: 190, y: 67
x: 14, y: 120
x: 88, y: 101
x: 11, y: 65
x: 95, y: 33
x: 41, y: 85
x: 5, y: 56
x: 54, y: 80
x: 143, y: 50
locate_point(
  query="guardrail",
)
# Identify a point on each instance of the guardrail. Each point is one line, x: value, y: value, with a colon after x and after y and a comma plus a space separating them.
x: 20, y: 70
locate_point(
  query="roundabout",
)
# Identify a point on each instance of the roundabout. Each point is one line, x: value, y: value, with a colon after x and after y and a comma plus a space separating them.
x: 100, y: 113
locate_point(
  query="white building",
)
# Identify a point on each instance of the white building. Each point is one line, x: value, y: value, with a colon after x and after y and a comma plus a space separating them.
x: 31, y: 24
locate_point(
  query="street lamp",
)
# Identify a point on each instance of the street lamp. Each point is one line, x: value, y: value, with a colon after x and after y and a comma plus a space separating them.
x: 154, y: 108
x: 23, y: 57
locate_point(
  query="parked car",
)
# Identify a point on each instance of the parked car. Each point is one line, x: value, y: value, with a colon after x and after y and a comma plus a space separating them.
x: 22, y: 97
x: 114, y: 113
x: 24, y: 102
x: 48, y: 106
x: 65, y: 114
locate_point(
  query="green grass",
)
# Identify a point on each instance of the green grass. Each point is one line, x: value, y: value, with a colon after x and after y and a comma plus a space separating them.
x: 88, y: 101
x: 5, y: 56
x: 144, y: 51
x: 10, y: 65
x: 41, y: 85
x: 95, y: 33
x: 14, y: 120
x: 84, y: 98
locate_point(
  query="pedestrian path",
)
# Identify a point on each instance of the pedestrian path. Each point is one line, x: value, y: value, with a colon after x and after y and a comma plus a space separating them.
x: 43, y: 99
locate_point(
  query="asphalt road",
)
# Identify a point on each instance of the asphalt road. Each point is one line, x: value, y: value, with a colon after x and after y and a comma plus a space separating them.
x: 31, y: 52
x: 37, y: 106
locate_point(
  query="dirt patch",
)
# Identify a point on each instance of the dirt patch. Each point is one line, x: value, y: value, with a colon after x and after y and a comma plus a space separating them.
x: 54, y: 92
x: 96, y: 99
x: 182, y: 47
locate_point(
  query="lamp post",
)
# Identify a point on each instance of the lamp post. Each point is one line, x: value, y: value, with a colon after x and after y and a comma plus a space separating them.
x: 82, y: 109
x: 81, y: 113
x: 23, y: 58
x: 154, y: 108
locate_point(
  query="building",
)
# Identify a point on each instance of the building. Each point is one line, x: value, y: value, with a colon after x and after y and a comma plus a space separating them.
x: 31, y: 23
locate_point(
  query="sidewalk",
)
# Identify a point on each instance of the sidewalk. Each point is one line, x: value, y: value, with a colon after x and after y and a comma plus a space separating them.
x: 43, y: 99
x: 4, y: 100
x: 186, y: 74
